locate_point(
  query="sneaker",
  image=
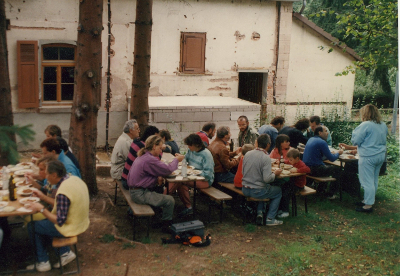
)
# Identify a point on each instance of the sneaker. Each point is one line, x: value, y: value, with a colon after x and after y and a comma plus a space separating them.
x: 360, y: 204
x: 279, y: 212
x: 259, y: 219
x: 186, y: 212
x: 283, y: 215
x: 273, y: 222
x: 364, y: 210
x: 332, y: 197
x: 41, y: 267
x: 66, y: 258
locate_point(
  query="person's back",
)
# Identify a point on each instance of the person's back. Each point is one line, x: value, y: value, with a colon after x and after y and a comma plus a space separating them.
x: 257, y: 170
x: 271, y: 131
x: 119, y: 154
x: 69, y: 165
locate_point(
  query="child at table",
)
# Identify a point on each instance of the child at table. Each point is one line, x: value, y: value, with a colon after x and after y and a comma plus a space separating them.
x: 282, y: 146
x: 239, y: 174
x: 295, y: 184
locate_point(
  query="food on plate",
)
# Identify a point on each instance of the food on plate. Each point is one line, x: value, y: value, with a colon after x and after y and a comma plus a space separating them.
x: 3, y: 204
x: 27, y: 191
x: 286, y: 166
x: 23, y: 172
x: 8, y: 209
x: 22, y: 184
x: 195, y: 172
x: 285, y: 172
x: 29, y: 200
x: 192, y: 177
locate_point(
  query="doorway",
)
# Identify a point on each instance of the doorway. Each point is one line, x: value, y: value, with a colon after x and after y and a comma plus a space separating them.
x: 251, y: 86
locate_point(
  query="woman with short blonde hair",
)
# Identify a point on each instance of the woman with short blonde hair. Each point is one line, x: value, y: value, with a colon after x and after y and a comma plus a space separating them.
x: 370, y: 139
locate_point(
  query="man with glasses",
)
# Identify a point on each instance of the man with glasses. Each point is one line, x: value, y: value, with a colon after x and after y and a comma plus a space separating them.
x: 223, y: 159
x: 121, y: 148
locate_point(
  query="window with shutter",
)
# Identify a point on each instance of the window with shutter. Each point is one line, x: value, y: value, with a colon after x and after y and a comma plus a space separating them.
x: 28, y: 81
x: 193, y: 46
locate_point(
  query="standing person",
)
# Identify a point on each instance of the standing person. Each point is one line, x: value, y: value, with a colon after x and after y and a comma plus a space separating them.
x: 223, y: 159
x: 69, y: 217
x: 246, y: 134
x: 171, y: 146
x: 146, y: 172
x: 136, y: 145
x: 272, y: 130
x: 315, y: 121
x: 370, y: 139
x: 314, y: 152
x: 51, y: 146
x: 120, y: 151
x: 282, y: 146
x: 295, y: 132
x: 207, y: 132
x: 257, y: 179
x: 201, y: 159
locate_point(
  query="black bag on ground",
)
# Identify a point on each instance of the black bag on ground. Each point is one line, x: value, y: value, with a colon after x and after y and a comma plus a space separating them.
x: 188, y: 233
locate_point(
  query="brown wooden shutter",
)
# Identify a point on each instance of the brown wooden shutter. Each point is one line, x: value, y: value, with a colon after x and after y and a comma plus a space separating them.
x: 193, y: 48
x: 28, y: 80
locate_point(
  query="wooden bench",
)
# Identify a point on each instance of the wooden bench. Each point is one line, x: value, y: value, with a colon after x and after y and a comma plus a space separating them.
x: 218, y: 196
x: 138, y: 210
x: 305, y: 192
x: 67, y: 241
x: 231, y: 187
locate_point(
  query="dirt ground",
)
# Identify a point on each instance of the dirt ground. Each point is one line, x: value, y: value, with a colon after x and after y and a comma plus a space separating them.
x: 106, y: 248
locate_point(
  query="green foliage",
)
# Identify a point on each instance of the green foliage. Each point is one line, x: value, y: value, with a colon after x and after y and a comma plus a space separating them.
x: 392, y: 146
x: 107, y: 238
x: 250, y: 228
x: 341, y: 131
x: 8, y: 146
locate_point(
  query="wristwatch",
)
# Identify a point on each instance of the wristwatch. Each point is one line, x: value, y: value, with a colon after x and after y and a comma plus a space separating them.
x: 42, y: 210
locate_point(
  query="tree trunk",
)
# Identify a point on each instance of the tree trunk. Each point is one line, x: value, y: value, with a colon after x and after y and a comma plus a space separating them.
x: 141, y: 63
x: 6, y: 115
x: 83, y: 128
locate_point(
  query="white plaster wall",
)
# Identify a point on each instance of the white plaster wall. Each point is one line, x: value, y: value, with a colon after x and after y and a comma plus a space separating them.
x: 312, y: 71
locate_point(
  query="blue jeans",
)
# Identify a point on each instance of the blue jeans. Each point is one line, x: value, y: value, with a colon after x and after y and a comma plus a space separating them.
x: 274, y: 193
x: 226, y: 177
x: 368, y: 173
x: 44, y: 232
x: 124, y: 184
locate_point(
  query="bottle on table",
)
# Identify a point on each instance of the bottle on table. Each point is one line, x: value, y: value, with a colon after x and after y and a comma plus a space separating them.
x: 282, y: 163
x: 11, y: 188
x: 231, y: 146
x: 184, y: 168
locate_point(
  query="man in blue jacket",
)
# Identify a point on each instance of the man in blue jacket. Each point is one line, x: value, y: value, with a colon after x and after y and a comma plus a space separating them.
x: 316, y: 148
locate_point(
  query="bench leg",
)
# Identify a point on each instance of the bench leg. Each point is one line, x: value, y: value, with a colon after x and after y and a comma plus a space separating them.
x: 305, y: 204
x: 115, y: 195
x: 148, y: 227
x: 221, y: 212
x: 134, y: 227
x: 294, y: 205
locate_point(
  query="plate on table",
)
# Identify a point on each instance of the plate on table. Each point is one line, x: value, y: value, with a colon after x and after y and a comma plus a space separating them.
x: 348, y: 152
x: 287, y: 166
x: 23, y: 164
x: 31, y: 199
x: 285, y: 172
x: 22, y: 184
x: 347, y: 156
x: 175, y: 173
x: 8, y: 209
x: 16, y: 168
x: 273, y: 160
x: 25, y: 191
x: 195, y: 172
x: 3, y: 204
x: 23, y: 172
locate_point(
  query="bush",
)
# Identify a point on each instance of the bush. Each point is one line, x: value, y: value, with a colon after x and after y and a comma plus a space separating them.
x: 341, y: 131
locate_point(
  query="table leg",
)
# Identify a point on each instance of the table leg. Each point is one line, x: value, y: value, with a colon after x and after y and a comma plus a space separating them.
x: 194, y: 199
x: 340, y: 180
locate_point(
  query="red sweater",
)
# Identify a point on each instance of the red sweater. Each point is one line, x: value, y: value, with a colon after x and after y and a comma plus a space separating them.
x: 237, y: 181
x: 300, y: 181
x: 275, y: 154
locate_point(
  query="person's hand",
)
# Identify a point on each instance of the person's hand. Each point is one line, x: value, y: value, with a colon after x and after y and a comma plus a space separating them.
x: 238, y: 150
x: 277, y: 172
x: 354, y: 152
x: 35, y: 206
x: 340, y: 152
x: 38, y: 194
x: 344, y: 146
x: 180, y: 157
x: 293, y: 170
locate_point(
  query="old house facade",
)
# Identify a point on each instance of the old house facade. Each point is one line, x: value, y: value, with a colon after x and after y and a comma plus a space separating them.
x: 215, y: 59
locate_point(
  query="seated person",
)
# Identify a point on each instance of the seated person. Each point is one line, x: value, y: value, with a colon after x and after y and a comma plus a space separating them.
x: 315, y: 121
x: 295, y: 183
x: 257, y: 180
x: 39, y: 180
x: 295, y: 132
x: 206, y: 133
x: 239, y: 174
x: 68, y: 153
x: 201, y: 159
x: 314, y: 152
x: 246, y: 134
x: 171, y: 145
x: 51, y: 146
x: 51, y: 131
x: 136, y: 145
x: 272, y: 129
x: 282, y: 146
x: 120, y: 151
x: 146, y: 172
x: 69, y: 217
x: 223, y: 159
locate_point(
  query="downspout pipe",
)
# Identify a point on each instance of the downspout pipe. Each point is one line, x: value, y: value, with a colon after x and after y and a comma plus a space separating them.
x: 303, y: 7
